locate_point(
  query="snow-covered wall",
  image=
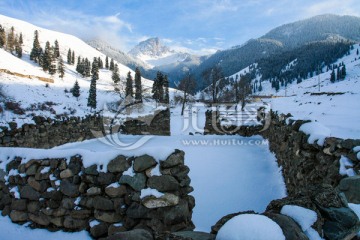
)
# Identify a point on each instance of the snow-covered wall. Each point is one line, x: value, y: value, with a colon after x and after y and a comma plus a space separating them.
x: 105, y: 197
x: 47, y: 133
x: 321, y: 173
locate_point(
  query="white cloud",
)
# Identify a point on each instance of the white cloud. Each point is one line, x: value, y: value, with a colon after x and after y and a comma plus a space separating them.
x: 345, y: 7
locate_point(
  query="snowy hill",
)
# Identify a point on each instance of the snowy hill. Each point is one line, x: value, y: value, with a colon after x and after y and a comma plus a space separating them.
x: 334, y: 105
x: 322, y: 28
x: 51, y: 99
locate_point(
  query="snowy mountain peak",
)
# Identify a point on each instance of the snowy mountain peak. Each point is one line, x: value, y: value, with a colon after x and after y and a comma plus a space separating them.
x: 152, y: 47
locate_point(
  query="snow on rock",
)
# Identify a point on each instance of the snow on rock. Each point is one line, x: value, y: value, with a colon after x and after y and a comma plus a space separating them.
x: 15, y: 191
x: 93, y: 223
x: 250, y: 227
x: 317, y: 132
x: 150, y: 192
x: 114, y: 185
x: 356, y: 209
x: 11, y: 231
x: 346, y: 167
x: 304, y: 217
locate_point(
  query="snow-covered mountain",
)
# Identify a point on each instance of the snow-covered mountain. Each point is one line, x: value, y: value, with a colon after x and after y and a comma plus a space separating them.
x: 123, y: 58
x: 155, y: 53
x: 322, y: 28
x: 20, y: 78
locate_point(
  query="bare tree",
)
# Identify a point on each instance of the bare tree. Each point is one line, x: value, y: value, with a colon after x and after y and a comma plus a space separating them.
x: 188, y: 86
x: 244, y: 91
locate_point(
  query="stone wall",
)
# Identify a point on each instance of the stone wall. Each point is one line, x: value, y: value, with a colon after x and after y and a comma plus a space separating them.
x: 305, y: 164
x: 63, y: 194
x: 311, y: 174
x: 47, y: 133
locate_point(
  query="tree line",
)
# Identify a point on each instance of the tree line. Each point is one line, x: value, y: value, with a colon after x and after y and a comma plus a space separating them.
x: 11, y: 41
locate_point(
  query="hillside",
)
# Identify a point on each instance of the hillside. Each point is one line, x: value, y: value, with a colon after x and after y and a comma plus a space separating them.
x: 334, y: 105
x: 35, y: 97
x: 288, y: 37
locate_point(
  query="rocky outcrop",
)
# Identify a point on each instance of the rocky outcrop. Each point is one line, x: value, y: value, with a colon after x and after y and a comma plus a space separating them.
x: 47, y: 132
x: 63, y: 194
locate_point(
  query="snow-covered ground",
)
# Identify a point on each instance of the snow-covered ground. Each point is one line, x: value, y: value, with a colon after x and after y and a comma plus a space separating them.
x: 229, y: 173
x: 51, y: 99
x: 339, y: 113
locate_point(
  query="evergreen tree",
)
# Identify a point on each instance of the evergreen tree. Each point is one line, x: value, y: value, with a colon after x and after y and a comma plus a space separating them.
x: 36, y: 51
x: 157, y: 89
x: 332, y: 76
x: 115, y: 74
x: 18, y: 48
x: 56, y: 49
x: 129, y: 86
x: 2, y: 37
x: 112, y: 65
x: 357, y: 51
x: 78, y: 65
x: 61, y: 68
x: 338, y: 74
x: 92, y: 93
x: 260, y: 87
x: 73, y: 58
x: 100, y: 62
x: 76, y: 90
x: 107, y: 62
x: 11, y: 40
x: 138, y: 87
x: 47, y: 57
x: 21, y: 41
x: 343, y: 72
x: 52, y: 66
x: 69, y: 60
x: 87, y: 68
x: 166, y: 90
x: 95, y: 69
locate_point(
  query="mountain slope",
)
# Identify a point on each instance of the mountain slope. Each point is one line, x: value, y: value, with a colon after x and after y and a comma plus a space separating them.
x: 53, y: 100
x: 123, y: 58
x: 284, y: 38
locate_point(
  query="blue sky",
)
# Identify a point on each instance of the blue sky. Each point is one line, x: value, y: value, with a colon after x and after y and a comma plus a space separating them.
x: 200, y: 26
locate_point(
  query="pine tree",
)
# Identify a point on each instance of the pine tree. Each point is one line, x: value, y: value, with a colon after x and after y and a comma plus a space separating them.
x: 129, y: 86
x: 73, y: 58
x: 357, y: 51
x: 138, y: 88
x: 56, y: 49
x: 78, y: 65
x: 76, y: 90
x: 11, y: 40
x: 2, y: 37
x: 157, y: 89
x: 100, y: 62
x: 332, y: 76
x: 92, y: 93
x: 166, y: 89
x: 95, y: 69
x: 61, y: 68
x: 36, y: 51
x: 343, y: 72
x: 52, y: 66
x: 21, y: 41
x: 46, y: 57
x: 107, y: 62
x: 87, y: 68
x: 115, y: 74
x: 18, y: 48
x: 69, y: 57
x: 338, y: 74
x: 112, y: 65
x: 260, y: 87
